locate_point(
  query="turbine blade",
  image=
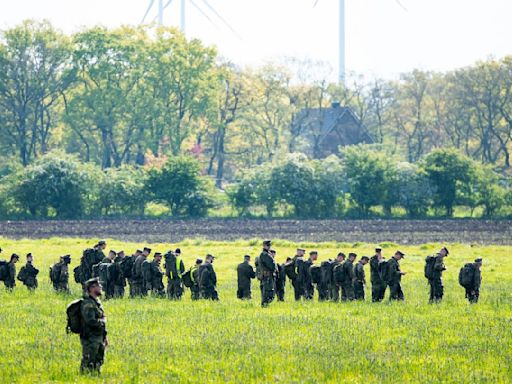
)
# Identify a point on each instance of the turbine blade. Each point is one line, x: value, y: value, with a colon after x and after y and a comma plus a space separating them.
x: 221, y: 18
x: 203, y: 13
x: 168, y: 3
x: 400, y: 5
x: 316, y: 2
x: 147, y: 11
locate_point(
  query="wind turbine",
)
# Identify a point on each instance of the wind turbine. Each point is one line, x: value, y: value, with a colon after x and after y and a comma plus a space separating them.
x: 341, y: 41
x: 183, y: 19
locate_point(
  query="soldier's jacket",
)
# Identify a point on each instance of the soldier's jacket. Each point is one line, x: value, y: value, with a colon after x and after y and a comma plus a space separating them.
x: 174, y: 267
x: 302, y: 270
x: 10, y: 279
x: 359, y: 274
x: 245, y: 273
x: 194, y: 273
x: 106, y: 260
x: 137, y: 269
x: 394, y: 271
x: 207, y: 276
x: 335, y: 263
x: 374, y: 270
x: 93, y: 318
x: 28, y: 275
x: 477, y: 278
x: 348, y: 267
x: 116, y: 271
x: 154, y: 276
x: 438, y: 267
x: 307, y: 272
x: 61, y: 272
x: 267, y: 263
x: 281, y: 275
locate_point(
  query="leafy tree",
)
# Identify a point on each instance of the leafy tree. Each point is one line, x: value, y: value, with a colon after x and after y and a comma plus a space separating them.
x: 56, y: 182
x: 413, y: 190
x: 179, y: 185
x: 122, y: 191
x: 449, y: 172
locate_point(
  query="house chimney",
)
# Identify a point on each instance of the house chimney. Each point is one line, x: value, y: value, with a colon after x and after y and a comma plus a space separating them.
x: 335, y: 104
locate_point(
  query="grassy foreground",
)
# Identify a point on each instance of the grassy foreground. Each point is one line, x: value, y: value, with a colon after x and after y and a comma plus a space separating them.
x: 155, y: 340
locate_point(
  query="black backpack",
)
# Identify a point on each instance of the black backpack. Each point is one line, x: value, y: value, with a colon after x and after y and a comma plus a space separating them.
x: 22, y: 275
x: 316, y: 274
x: 55, y: 273
x: 467, y: 275
x: 77, y: 273
x: 429, y: 267
x: 384, y: 271
x: 127, y: 266
x: 96, y: 270
x: 187, y: 279
x: 103, y: 272
x: 74, y: 315
x: 4, y: 269
x: 339, y: 274
x: 289, y: 269
x: 326, y: 268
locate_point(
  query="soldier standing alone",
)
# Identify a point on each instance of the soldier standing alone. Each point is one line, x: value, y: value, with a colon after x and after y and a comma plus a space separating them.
x: 245, y: 273
x: 93, y: 336
x: 59, y: 274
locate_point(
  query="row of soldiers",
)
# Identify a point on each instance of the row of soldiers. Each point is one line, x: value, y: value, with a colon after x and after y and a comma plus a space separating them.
x: 343, y: 278
x: 340, y: 279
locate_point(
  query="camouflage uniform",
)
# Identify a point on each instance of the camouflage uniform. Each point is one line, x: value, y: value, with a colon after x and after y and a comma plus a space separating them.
x: 153, y: 278
x: 334, y: 288
x: 298, y: 282
x: 245, y: 273
x: 359, y: 281
x: 10, y: 279
x: 61, y: 283
x: 280, y: 281
x: 118, y: 279
x: 395, y: 277
x: 194, y: 289
x: 208, y: 281
x: 378, y: 285
x: 138, y: 278
x: 473, y: 292
x: 347, y: 286
x: 28, y: 276
x: 93, y: 335
x: 268, y: 269
x: 174, y: 268
x: 436, y: 282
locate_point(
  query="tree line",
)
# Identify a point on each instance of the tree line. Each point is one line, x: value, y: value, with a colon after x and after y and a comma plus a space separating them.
x: 128, y: 102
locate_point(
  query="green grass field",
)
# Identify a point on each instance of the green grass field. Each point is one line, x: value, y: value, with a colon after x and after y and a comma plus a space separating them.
x: 158, y: 341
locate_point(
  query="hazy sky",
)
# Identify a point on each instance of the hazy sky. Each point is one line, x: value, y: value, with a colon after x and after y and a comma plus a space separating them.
x: 383, y: 39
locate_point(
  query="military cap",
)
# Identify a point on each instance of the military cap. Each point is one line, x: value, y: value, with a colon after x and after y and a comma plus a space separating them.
x: 102, y: 242
x: 147, y: 249
x: 112, y: 251
x: 400, y: 253
x: 479, y: 260
x: 138, y: 251
x: 301, y: 249
x: 267, y: 242
x: 365, y: 258
x: 66, y: 257
x: 177, y: 250
x: 247, y: 257
x: 29, y: 254
x: 341, y: 254
x: 14, y: 256
x: 272, y: 251
x: 157, y: 254
x: 352, y: 254
x: 446, y: 250
x: 378, y: 249
x: 89, y: 283
x: 210, y: 255
x: 199, y: 261
x: 313, y: 253
x: 120, y: 252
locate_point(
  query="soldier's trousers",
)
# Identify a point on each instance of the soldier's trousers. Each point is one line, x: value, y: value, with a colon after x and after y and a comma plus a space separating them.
x: 334, y: 292
x: 109, y: 290
x: 297, y: 289
x: 378, y: 291
x: 347, y: 291
x: 243, y: 293
x: 209, y: 293
x: 61, y: 287
x: 139, y: 289
x: 93, y: 353
x: 395, y: 291
x: 280, y: 293
x: 436, y: 290
x: 174, y: 289
x: 358, y: 290
x: 118, y: 291
x: 323, y: 291
x: 472, y: 295
x: 194, y: 292
x: 309, y: 291
x: 268, y: 291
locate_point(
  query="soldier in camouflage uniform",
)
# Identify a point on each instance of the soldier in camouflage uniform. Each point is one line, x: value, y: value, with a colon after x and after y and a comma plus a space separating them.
x: 28, y: 274
x: 281, y: 278
x: 334, y: 288
x: 378, y: 285
x: 194, y: 275
x: 395, y: 276
x: 473, y: 291
x: 208, y: 279
x: 436, y: 280
x: 268, y: 270
x: 10, y: 279
x: 297, y: 281
x: 174, y: 269
x: 347, y: 285
x: 360, y: 278
x: 137, y: 275
x: 245, y: 273
x: 60, y: 274
x: 153, y: 276
x: 94, y: 333
x: 118, y: 279
x: 308, y: 280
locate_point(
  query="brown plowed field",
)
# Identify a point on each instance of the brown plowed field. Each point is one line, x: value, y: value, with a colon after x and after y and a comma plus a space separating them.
x: 372, y: 231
